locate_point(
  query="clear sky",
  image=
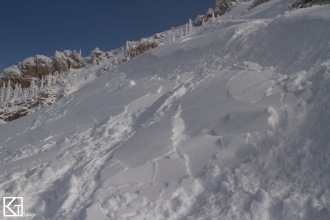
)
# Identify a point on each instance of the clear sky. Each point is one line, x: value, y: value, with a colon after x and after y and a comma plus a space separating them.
x: 30, y: 27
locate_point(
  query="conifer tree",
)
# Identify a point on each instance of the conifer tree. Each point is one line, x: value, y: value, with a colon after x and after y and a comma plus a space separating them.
x: 49, y: 82
x: 213, y: 18
x: 15, y: 92
x: 2, y: 96
x: 32, y: 87
x: 42, y: 83
x: 74, y: 80
x: 20, y: 91
x: 190, y: 27
x: 25, y: 94
x: 8, y: 92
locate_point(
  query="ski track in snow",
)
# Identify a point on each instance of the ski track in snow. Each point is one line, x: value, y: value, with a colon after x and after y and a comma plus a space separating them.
x: 211, y: 136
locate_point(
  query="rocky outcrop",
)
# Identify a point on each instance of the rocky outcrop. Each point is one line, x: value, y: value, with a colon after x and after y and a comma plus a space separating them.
x: 257, y: 2
x: 14, y: 111
x: 13, y: 74
x: 38, y: 66
x: 61, y: 62
x: 109, y: 54
x: 307, y: 3
x: 221, y: 7
x: 142, y: 45
x: 97, y: 56
x: 47, y: 97
x: 67, y: 59
x: 199, y: 20
x: 29, y: 67
x: 44, y: 65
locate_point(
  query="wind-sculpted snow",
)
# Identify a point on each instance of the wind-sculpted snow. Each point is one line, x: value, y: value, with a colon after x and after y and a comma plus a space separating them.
x: 225, y: 124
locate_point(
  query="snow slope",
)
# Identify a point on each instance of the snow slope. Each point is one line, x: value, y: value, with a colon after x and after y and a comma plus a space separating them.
x: 229, y: 123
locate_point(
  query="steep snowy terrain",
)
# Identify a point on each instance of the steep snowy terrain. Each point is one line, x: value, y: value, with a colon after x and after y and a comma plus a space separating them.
x: 230, y: 122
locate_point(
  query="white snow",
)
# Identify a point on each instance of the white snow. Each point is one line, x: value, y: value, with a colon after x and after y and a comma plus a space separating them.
x: 230, y: 124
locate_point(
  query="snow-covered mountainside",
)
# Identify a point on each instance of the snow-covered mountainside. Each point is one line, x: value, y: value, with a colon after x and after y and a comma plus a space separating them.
x: 39, y: 81
x: 227, y: 120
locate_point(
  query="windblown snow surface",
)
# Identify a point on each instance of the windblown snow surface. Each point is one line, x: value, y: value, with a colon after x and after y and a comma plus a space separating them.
x: 233, y: 123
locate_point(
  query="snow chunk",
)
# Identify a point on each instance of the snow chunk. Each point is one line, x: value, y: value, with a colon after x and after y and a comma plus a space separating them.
x: 273, y: 118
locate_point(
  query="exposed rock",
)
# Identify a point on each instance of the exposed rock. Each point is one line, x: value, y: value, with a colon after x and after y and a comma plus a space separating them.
x: 47, y: 97
x: 75, y: 61
x: 60, y: 62
x: 222, y: 6
x: 143, y: 45
x: 209, y: 12
x: 67, y: 59
x: 109, y: 54
x: 13, y: 73
x: 257, y: 2
x: 44, y: 65
x: 200, y: 19
x: 35, y: 67
x: 158, y: 36
x: 307, y: 3
x: 77, y: 57
x: 29, y: 67
x: 21, y: 109
x: 97, y: 56
x: 26, y: 80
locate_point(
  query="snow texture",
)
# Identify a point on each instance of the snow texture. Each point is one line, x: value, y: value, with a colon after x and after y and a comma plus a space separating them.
x: 228, y: 122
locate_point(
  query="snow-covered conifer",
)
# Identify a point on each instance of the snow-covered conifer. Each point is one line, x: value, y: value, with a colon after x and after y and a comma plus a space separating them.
x: 32, y: 88
x: 8, y: 92
x: 186, y: 29
x: 181, y: 32
x: 190, y: 27
x: 2, y: 96
x: 15, y: 92
x: 127, y: 46
x: 73, y: 80
x: 20, y: 91
x: 49, y: 82
x: 173, y: 38
x: 42, y: 83
x: 213, y: 17
x: 25, y: 94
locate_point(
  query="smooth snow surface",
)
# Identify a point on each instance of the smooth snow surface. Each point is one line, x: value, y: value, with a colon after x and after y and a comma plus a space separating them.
x: 232, y: 122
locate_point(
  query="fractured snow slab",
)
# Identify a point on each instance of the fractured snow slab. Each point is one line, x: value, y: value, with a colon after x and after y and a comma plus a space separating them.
x: 141, y: 174
x: 148, y: 144
x: 170, y: 169
x: 248, y: 86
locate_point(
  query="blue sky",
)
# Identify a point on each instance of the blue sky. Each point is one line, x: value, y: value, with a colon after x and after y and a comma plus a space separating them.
x: 30, y: 27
